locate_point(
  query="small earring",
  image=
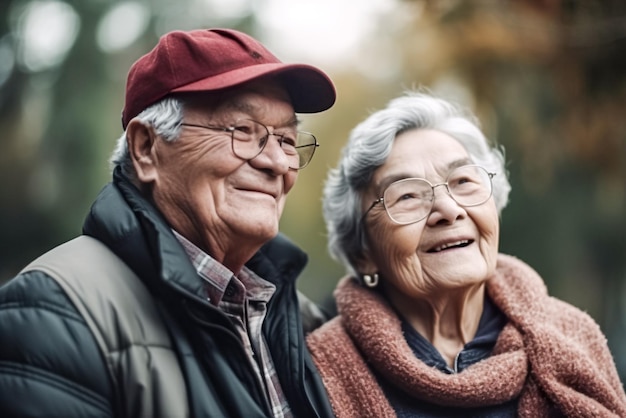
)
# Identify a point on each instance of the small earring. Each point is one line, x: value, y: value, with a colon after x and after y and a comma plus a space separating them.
x: 370, y: 280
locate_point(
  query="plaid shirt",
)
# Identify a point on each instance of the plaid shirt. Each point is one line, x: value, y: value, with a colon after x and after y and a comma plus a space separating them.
x: 243, y: 299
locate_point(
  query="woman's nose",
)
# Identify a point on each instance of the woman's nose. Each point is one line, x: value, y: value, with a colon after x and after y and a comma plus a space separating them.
x: 444, y: 208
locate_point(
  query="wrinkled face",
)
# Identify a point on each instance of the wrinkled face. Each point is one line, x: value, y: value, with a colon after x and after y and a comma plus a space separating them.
x: 207, y: 193
x: 453, y: 247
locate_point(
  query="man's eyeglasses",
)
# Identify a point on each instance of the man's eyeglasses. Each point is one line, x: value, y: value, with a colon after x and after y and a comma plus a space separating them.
x: 249, y: 138
x: 410, y: 200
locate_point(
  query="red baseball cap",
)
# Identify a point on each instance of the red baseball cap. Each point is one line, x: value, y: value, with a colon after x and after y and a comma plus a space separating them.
x: 213, y: 59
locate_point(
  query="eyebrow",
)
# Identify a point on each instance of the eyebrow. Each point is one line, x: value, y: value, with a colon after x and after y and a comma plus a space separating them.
x: 386, y: 181
x: 459, y: 163
x: 249, y: 109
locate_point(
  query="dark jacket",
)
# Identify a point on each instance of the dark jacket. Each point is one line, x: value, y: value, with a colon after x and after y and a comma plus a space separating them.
x: 50, y: 363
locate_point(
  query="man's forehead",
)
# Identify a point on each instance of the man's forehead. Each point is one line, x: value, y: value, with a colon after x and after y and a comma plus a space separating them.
x: 245, y: 101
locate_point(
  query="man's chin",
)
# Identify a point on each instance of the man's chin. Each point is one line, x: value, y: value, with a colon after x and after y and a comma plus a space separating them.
x: 259, y: 232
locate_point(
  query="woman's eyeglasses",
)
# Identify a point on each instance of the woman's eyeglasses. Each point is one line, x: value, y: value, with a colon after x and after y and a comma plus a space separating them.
x: 410, y: 200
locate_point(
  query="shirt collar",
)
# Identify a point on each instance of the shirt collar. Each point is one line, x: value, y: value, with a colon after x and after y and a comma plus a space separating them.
x: 220, y: 280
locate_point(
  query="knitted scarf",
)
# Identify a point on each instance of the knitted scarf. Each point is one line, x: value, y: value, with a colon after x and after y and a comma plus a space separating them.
x: 549, y: 355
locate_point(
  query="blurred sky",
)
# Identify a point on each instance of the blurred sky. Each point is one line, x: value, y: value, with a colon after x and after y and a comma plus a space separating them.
x: 326, y: 32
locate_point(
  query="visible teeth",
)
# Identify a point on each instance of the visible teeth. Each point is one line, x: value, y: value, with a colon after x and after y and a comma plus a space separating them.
x: 451, y: 244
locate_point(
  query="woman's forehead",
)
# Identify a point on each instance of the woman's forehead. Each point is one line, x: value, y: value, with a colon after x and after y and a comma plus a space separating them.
x: 420, y: 153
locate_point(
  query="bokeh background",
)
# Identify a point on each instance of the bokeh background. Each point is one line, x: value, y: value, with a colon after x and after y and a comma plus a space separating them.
x: 547, y: 79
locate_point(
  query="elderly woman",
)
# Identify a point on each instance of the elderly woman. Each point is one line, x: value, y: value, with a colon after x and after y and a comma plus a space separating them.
x: 433, y: 321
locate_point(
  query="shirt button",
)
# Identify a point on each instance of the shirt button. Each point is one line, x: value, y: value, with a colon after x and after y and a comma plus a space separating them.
x: 230, y: 291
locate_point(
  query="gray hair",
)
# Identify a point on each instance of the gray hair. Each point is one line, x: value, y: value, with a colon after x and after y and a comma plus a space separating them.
x: 165, y: 116
x: 368, y: 147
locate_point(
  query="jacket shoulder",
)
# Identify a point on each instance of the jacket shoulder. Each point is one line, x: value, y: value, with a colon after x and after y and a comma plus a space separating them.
x: 49, y: 361
x: 106, y: 292
x: 124, y: 324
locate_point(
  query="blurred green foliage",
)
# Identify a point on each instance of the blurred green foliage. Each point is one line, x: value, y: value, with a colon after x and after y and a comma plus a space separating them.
x: 546, y: 78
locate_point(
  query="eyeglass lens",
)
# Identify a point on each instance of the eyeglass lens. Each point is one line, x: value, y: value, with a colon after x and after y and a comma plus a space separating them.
x: 411, y: 200
x: 250, y: 137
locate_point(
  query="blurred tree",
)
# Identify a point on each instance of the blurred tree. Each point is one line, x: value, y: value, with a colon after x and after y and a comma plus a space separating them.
x: 61, y: 118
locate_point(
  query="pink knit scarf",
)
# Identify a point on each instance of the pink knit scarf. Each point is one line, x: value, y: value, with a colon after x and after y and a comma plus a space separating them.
x: 550, y: 354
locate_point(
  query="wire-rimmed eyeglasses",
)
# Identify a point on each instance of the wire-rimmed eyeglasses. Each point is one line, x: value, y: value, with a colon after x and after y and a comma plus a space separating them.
x: 410, y: 200
x: 249, y: 138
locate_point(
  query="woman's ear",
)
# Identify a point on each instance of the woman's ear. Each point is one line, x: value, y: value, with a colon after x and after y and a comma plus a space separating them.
x: 141, y: 140
x: 365, y: 264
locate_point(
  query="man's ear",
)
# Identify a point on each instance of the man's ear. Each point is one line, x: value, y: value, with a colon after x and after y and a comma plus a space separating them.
x: 141, y: 141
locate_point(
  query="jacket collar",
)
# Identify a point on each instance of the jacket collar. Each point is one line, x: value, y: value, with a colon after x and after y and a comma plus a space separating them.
x: 133, y: 228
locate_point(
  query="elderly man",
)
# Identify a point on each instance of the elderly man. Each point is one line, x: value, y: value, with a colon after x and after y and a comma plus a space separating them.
x: 179, y: 298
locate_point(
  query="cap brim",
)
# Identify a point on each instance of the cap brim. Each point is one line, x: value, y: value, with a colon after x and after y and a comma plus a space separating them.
x: 310, y: 89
